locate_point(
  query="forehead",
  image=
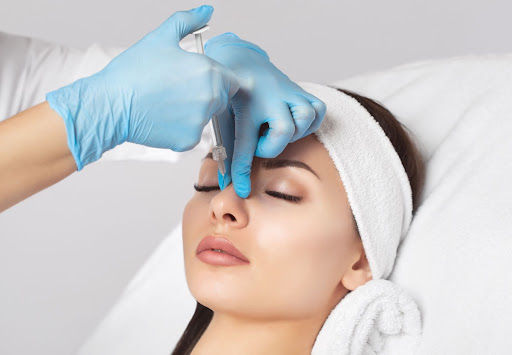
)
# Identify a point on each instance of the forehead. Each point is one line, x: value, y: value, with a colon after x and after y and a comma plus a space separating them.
x: 309, y: 150
x: 308, y: 147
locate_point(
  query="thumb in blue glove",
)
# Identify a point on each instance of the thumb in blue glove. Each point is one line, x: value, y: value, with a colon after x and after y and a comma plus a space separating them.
x: 154, y: 93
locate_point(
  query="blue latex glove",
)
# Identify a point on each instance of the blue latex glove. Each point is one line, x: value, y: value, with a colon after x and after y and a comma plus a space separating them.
x: 154, y: 93
x: 266, y: 95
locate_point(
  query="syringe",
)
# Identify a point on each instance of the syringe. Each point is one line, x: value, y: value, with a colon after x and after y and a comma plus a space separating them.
x: 219, y: 152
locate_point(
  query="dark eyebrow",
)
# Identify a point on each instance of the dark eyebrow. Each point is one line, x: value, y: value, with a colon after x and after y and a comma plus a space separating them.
x: 284, y: 163
x: 279, y: 163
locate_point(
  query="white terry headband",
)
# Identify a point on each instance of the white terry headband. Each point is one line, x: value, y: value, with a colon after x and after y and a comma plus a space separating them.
x: 374, y: 178
x: 379, y: 193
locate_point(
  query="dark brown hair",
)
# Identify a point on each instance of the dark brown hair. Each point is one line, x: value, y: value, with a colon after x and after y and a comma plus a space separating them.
x: 411, y: 160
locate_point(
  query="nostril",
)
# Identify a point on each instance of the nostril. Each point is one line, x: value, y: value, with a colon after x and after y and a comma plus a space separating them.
x: 230, y: 216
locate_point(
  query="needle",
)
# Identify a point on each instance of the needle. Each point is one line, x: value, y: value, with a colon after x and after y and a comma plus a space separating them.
x: 219, y: 152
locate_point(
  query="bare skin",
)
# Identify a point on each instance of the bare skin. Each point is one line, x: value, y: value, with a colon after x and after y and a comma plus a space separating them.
x: 33, y: 154
x: 303, y: 256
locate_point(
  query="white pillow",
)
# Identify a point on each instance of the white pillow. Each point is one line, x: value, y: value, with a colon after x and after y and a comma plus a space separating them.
x: 455, y: 261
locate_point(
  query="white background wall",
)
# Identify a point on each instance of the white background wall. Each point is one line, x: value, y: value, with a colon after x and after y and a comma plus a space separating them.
x: 67, y: 252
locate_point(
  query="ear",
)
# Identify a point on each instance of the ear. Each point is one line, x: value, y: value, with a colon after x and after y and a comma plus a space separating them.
x: 359, y: 273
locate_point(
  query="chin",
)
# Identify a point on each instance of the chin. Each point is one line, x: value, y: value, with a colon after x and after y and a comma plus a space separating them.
x: 216, y: 296
x: 214, y: 287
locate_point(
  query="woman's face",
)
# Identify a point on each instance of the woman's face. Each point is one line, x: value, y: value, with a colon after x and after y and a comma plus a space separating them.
x: 300, y: 252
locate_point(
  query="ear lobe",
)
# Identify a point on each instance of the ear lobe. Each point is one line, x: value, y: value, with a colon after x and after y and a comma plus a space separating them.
x: 358, y: 274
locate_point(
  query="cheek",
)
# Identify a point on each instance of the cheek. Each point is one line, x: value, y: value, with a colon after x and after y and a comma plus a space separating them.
x: 196, y: 211
x: 301, y: 258
x: 195, y: 218
x: 309, y: 237
x: 188, y: 227
x: 189, y: 212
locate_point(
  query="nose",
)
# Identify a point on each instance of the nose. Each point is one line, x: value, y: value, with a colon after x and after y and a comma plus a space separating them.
x: 227, y: 208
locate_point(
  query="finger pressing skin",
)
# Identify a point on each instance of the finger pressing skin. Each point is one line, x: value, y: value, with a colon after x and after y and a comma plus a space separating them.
x: 246, y: 140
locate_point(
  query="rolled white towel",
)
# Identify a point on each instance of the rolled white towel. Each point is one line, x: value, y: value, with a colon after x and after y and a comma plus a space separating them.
x: 363, y: 320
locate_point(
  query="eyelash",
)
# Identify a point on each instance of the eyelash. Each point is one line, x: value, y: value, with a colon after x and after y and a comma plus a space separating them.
x: 202, y: 188
x: 290, y: 198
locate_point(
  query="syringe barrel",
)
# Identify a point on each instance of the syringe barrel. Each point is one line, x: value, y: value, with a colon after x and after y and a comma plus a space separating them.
x: 215, y: 128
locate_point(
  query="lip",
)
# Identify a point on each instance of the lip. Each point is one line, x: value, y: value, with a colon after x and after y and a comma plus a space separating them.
x: 231, y: 255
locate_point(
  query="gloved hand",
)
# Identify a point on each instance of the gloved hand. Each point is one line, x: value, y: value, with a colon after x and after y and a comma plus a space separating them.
x: 154, y: 93
x: 266, y: 95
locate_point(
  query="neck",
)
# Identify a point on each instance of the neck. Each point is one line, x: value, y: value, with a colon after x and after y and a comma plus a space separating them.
x: 231, y: 335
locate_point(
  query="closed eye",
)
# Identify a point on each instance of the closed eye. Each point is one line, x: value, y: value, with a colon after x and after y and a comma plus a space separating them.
x: 204, y: 188
x: 276, y: 194
x: 290, y: 198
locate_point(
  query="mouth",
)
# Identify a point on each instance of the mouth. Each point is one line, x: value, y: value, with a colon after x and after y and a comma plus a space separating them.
x: 219, y: 251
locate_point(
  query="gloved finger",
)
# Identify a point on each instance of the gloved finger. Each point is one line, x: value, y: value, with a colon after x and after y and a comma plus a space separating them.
x: 320, y: 109
x: 303, y: 115
x: 276, y: 138
x: 246, y: 140
x: 227, y: 39
x: 182, y: 23
x: 217, y: 41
